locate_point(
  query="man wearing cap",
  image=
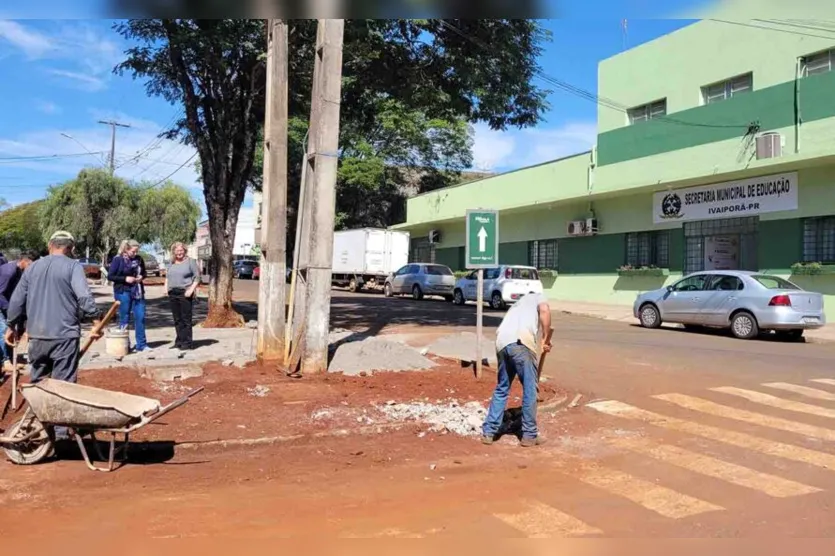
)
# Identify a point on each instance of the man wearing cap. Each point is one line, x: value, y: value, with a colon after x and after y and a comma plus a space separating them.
x: 49, y: 301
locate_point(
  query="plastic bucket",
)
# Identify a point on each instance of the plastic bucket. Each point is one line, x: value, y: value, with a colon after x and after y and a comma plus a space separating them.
x: 117, y: 342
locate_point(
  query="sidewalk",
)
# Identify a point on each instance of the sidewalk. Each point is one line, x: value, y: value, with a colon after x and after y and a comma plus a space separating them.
x: 623, y: 313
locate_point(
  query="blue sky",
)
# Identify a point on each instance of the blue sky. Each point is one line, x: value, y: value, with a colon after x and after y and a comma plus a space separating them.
x: 57, y: 79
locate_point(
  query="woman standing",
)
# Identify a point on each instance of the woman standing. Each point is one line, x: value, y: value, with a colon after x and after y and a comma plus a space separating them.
x: 127, y: 272
x: 181, y: 281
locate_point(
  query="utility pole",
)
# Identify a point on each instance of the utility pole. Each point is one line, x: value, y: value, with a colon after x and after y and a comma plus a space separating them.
x: 271, y: 291
x: 113, y: 125
x: 318, y: 214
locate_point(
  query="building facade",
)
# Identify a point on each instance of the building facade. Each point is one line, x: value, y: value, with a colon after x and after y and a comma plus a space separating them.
x: 715, y: 150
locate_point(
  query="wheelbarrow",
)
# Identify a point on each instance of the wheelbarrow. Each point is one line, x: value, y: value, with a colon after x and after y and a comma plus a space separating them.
x: 84, y: 411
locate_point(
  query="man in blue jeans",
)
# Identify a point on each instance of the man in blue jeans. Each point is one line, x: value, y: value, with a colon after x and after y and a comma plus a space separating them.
x: 518, y: 344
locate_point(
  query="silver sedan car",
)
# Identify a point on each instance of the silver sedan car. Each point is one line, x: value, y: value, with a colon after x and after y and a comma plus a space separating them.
x: 419, y: 279
x: 745, y: 302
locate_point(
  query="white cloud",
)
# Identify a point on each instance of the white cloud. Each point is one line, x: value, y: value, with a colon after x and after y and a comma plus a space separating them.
x: 32, y: 43
x: 510, y: 150
x: 86, y: 54
x: 48, y: 107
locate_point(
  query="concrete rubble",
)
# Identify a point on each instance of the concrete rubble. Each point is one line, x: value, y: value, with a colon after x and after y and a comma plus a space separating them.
x: 258, y: 391
x: 463, y: 420
x: 376, y: 354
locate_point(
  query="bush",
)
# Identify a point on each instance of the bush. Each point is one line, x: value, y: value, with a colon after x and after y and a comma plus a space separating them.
x: 628, y: 270
x: 812, y: 269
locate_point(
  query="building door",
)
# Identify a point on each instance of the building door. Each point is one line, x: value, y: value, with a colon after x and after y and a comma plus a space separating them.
x: 721, y: 244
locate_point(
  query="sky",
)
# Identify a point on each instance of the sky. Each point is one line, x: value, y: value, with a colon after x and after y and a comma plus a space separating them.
x: 57, y: 83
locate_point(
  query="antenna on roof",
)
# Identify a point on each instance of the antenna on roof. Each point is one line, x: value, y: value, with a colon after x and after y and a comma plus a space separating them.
x: 625, y: 32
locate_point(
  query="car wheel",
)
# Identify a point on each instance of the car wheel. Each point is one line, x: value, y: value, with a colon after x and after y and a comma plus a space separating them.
x: 458, y: 298
x: 417, y: 293
x: 496, y: 301
x: 649, y: 316
x: 744, y: 326
x: 387, y: 290
x: 790, y: 335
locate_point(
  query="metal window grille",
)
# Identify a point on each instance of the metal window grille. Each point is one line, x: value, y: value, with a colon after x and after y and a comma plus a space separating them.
x: 820, y: 62
x: 696, y: 232
x: 422, y: 251
x: 543, y: 253
x: 649, y: 111
x: 819, y: 240
x: 728, y: 89
x: 648, y: 249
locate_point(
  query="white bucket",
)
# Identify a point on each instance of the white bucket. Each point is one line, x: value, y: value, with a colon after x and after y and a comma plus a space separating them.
x: 117, y: 342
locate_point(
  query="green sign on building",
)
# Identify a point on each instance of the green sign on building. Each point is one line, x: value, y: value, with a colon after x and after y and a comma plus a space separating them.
x: 482, y: 247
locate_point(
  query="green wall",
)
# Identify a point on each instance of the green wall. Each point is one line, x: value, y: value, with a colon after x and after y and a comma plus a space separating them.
x: 514, y: 253
x: 780, y: 244
x: 601, y: 254
x: 772, y: 108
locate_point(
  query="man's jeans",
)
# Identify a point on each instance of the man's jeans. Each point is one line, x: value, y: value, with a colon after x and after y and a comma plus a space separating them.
x: 3, y: 353
x: 128, y: 305
x: 514, y: 361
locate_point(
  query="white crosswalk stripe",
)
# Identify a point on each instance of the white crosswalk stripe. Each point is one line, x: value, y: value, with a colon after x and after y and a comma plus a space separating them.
x: 779, y: 403
x: 540, y: 521
x: 827, y: 381
x: 814, y: 393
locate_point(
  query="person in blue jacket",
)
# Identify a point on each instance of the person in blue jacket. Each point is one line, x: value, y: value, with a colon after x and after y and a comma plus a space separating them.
x: 127, y: 272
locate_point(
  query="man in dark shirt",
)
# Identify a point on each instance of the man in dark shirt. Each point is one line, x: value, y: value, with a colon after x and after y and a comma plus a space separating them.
x: 50, y: 300
x: 10, y: 274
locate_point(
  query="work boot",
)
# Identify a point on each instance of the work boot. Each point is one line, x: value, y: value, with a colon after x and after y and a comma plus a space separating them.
x: 531, y: 442
x: 487, y: 440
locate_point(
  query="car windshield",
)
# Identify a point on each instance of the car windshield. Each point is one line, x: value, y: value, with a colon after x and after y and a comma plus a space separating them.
x: 525, y: 274
x: 438, y: 270
x: 774, y: 282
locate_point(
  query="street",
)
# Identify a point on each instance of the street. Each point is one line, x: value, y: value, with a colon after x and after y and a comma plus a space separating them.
x: 675, y: 434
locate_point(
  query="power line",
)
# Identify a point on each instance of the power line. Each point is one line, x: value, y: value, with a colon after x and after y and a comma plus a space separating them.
x: 798, y: 25
x: 180, y: 167
x: 593, y: 97
x: 48, y: 156
x: 775, y: 29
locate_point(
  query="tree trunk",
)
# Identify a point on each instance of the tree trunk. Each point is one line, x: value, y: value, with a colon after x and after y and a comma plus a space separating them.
x: 223, y: 220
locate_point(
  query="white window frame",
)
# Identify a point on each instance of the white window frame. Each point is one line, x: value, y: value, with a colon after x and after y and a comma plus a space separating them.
x: 819, y: 62
x: 649, y: 111
x: 729, y: 88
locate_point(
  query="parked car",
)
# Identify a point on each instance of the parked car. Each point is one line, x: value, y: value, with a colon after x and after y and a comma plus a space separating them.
x: 502, y: 285
x: 152, y: 267
x: 244, y: 268
x: 746, y: 302
x: 419, y: 279
x: 92, y: 268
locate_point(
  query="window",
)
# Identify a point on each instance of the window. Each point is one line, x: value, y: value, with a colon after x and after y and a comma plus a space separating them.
x: 726, y: 283
x: 524, y: 274
x: 438, y: 270
x: 820, y: 62
x: 819, y: 240
x: 691, y: 283
x: 422, y: 251
x: 728, y: 89
x: 774, y: 283
x: 648, y: 249
x: 649, y: 111
x: 491, y: 273
x: 543, y: 253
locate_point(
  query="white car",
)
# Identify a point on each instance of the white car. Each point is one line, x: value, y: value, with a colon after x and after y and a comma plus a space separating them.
x: 502, y: 286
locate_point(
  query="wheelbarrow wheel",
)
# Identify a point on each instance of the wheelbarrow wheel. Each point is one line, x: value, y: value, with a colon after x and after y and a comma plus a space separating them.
x: 33, y: 450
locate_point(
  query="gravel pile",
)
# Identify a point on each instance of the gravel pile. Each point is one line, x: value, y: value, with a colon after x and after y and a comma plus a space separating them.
x: 376, y: 354
x: 463, y: 420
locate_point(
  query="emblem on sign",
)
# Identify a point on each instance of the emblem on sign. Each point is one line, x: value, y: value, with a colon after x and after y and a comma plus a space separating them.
x: 671, y: 206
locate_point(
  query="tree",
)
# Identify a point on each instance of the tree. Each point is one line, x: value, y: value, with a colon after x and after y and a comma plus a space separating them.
x: 20, y: 228
x: 410, y: 87
x: 216, y: 70
x: 101, y: 210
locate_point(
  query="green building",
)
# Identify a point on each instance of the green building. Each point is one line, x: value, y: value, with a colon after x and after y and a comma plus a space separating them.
x: 715, y: 150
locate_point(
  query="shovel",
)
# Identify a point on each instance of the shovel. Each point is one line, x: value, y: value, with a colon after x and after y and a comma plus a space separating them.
x: 542, y: 358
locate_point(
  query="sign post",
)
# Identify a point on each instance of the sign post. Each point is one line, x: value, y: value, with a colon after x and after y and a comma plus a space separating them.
x: 481, y: 251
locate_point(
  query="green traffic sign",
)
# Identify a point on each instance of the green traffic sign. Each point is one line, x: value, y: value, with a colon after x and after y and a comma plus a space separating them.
x: 482, y: 247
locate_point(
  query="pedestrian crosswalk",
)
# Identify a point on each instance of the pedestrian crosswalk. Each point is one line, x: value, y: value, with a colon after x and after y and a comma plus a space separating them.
x: 709, y: 443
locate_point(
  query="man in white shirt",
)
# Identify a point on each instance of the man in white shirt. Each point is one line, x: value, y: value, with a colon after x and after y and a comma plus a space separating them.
x: 518, y: 342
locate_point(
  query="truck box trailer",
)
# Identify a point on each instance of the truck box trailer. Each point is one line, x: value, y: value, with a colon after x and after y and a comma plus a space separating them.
x: 363, y: 259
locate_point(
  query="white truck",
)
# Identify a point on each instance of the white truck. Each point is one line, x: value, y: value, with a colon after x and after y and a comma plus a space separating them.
x: 364, y: 258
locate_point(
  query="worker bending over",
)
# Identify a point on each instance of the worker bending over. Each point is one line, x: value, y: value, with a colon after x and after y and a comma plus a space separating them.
x: 521, y: 333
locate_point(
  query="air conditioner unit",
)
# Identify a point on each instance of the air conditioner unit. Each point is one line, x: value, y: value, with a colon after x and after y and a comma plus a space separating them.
x: 769, y: 145
x: 434, y: 236
x: 577, y: 228
x: 591, y: 226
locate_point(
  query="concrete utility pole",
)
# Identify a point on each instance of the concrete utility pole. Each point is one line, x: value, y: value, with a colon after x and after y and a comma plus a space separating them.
x: 320, y: 196
x: 113, y: 125
x: 271, y: 291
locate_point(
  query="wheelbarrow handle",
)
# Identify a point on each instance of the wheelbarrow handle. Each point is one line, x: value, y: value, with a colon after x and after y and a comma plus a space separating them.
x: 166, y: 409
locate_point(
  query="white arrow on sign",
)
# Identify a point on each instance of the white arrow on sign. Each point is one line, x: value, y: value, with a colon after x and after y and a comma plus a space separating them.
x: 482, y: 239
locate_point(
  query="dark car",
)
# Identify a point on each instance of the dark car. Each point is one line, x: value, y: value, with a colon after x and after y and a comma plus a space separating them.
x: 152, y: 267
x: 92, y: 268
x: 245, y: 269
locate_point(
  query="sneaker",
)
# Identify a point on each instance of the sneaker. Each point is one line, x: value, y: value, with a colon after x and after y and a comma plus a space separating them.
x: 487, y: 440
x: 146, y: 349
x: 531, y: 442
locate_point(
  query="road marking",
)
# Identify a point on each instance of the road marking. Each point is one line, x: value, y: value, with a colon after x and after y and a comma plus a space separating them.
x: 738, y: 439
x: 827, y: 381
x: 716, y: 468
x: 813, y: 393
x: 540, y: 521
x: 779, y: 403
x: 719, y: 410
x: 651, y: 496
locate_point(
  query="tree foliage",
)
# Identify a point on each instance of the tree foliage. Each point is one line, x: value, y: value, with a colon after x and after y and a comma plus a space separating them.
x: 20, y: 228
x: 101, y: 210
